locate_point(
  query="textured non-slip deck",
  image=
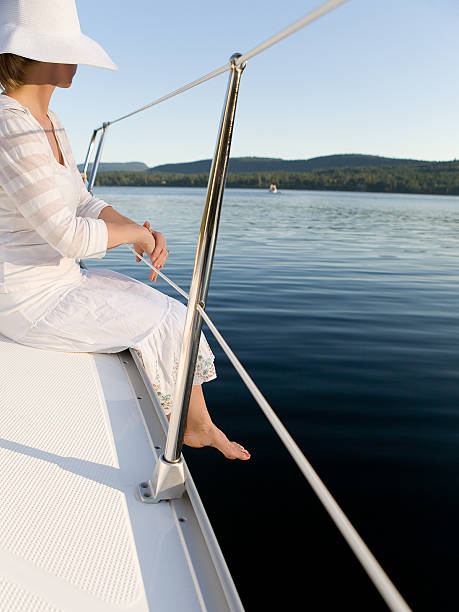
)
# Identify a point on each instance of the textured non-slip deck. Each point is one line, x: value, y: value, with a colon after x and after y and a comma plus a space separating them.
x: 73, y: 534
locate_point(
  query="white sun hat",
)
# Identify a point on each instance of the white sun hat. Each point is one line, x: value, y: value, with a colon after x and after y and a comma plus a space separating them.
x: 48, y: 31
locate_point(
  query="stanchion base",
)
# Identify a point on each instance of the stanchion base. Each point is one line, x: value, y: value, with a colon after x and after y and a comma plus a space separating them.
x: 166, y: 482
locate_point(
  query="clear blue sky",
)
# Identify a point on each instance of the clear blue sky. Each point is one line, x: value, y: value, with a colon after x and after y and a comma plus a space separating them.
x: 374, y: 76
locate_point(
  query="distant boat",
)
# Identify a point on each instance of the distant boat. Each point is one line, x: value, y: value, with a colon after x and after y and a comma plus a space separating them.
x: 273, y: 188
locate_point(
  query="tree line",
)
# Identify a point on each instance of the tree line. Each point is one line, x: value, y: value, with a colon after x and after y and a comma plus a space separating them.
x: 440, y: 178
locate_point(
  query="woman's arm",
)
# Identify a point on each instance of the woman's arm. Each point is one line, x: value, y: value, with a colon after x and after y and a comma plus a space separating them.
x: 126, y: 233
x: 110, y: 215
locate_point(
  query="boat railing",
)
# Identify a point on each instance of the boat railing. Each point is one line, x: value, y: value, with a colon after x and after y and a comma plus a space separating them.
x: 168, y: 478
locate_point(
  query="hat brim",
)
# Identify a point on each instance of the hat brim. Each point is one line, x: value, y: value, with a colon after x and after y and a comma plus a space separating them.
x: 71, y: 49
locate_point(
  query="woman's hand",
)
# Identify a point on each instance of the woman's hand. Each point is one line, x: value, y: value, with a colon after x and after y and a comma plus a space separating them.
x: 159, y: 254
x: 146, y: 243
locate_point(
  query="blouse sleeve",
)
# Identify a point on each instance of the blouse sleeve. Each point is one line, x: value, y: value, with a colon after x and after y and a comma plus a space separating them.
x: 27, y: 176
x: 89, y: 205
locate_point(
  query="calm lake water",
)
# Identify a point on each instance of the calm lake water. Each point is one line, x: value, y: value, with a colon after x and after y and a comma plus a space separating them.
x: 345, y: 310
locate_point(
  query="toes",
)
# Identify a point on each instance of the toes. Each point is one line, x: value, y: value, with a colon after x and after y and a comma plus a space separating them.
x: 246, y: 454
x: 241, y: 447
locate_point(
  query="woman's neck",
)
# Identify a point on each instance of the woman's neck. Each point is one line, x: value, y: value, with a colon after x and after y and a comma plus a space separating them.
x: 34, y: 97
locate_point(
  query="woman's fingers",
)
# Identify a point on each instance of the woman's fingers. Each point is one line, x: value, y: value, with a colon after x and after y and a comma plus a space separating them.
x: 161, y: 260
x: 153, y: 274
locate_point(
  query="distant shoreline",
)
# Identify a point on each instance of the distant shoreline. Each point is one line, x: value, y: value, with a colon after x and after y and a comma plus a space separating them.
x: 429, y: 178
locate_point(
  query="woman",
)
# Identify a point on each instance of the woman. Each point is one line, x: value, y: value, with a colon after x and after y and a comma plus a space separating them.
x: 48, y: 220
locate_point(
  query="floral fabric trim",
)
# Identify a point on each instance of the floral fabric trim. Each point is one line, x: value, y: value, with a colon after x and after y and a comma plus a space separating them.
x: 204, y: 371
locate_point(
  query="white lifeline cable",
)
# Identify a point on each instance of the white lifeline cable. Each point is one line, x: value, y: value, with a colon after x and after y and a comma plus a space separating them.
x: 204, y: 78
x: 375, y: 572
x: 291, y: 29
x: 294, y: 27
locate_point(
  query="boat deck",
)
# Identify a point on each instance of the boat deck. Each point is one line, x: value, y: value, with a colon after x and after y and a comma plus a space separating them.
x: 79, y: 431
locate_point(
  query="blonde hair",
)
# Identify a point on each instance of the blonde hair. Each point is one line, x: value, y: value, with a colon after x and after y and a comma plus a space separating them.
x: 12, y: 70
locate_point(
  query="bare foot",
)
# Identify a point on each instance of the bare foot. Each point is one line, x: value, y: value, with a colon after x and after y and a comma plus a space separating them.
x: 210, y: 435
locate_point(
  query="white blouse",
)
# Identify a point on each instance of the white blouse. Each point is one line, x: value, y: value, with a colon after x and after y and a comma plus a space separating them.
x: 48, y: 219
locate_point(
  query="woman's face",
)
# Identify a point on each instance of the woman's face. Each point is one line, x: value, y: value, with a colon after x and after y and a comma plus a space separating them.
x: 48, y: 73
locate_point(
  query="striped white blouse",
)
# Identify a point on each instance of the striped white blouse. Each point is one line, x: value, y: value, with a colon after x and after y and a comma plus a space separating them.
x: 48, y: 219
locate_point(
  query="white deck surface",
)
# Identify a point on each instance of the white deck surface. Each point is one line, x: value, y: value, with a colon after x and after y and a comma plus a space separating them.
x: 74, y: 536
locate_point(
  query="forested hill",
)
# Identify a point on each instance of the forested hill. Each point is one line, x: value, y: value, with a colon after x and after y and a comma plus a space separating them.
x: 272, y: 164
x: 241, y: 165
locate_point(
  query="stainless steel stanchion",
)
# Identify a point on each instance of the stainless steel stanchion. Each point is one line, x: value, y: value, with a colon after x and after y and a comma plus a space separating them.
x: 168, y: 478
x: 88, y: 154
x: 95, y: 166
